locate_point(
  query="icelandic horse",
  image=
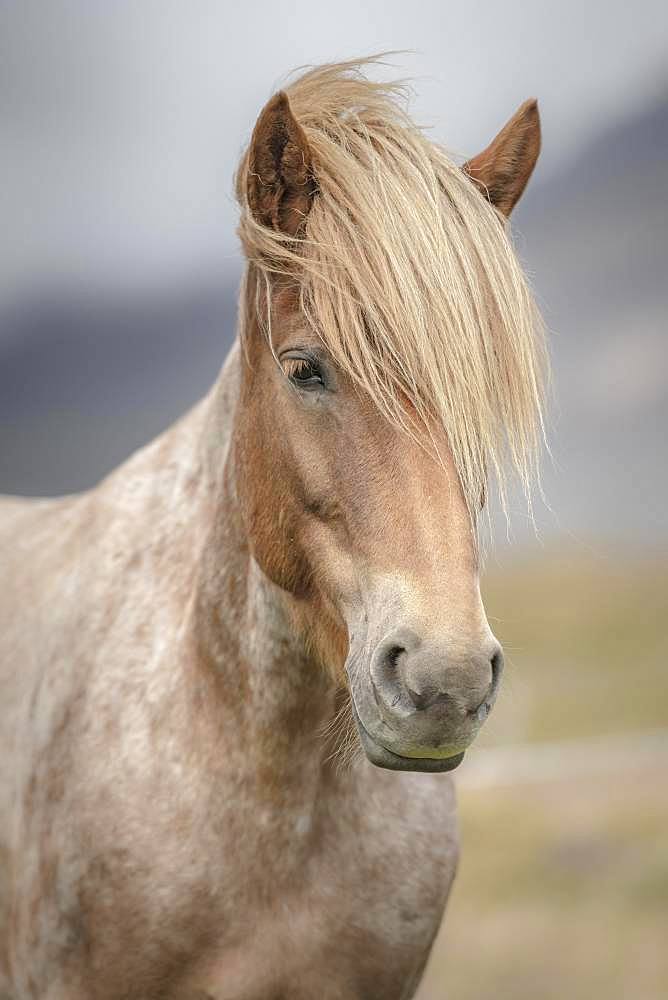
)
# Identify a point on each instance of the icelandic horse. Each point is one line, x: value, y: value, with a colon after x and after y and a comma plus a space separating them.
x: 203, y: 658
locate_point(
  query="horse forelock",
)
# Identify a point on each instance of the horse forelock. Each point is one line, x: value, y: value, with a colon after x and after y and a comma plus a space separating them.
x: 409, y: 278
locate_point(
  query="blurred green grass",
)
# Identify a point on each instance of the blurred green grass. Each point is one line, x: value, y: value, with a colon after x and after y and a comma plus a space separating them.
x: 562, y: 890
x: 585, y: 642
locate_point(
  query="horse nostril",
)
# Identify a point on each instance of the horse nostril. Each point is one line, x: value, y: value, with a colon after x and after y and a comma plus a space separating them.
x: 484, y: 708
x: 385, y: 679
x: 497, y: 669
x: 393, y: 654
x: 391, y: 661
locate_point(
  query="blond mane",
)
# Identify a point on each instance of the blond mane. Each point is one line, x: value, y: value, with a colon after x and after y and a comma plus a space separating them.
x: 409, y: 278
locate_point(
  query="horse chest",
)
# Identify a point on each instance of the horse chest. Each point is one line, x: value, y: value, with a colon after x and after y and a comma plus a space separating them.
x: 351, y: 911
x: 338, y: 901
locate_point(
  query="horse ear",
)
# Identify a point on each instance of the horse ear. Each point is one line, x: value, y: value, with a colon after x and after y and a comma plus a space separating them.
x: 280, y: 184
x: 502, y: 171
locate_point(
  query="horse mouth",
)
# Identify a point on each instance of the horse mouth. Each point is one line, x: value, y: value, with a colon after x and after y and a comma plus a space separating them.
x: 382, y: 757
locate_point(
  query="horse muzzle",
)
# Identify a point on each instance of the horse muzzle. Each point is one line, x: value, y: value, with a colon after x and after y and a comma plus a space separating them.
x: 422, y: 702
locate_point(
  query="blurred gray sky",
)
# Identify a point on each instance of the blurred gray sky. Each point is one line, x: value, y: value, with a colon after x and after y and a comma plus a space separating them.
x: 121, y: 123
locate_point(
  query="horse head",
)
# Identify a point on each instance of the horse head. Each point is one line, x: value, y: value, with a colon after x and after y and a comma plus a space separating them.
x: 391, y: 360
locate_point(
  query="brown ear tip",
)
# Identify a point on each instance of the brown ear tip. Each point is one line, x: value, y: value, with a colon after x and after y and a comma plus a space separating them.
x: 277, y: 106
x: 530, y: 108
x: 280, y: 100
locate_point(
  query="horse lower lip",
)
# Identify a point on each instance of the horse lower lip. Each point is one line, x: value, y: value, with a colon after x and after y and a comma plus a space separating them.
x: 382, y: 757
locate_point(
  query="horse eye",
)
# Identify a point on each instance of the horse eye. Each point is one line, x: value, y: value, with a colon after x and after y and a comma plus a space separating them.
x: 303, y: 372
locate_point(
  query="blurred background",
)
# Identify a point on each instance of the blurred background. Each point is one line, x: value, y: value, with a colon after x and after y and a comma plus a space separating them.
x: 120, y: 128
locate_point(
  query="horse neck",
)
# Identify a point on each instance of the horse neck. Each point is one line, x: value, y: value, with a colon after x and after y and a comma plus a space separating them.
x: 271, y: 703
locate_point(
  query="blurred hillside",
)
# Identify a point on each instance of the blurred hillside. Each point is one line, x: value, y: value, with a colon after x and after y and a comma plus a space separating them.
x: 86, y: 378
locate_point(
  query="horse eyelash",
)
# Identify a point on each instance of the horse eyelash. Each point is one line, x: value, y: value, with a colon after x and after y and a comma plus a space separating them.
x: 293, y: 367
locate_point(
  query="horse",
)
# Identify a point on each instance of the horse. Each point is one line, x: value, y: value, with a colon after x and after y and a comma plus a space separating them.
x: 236, y: 673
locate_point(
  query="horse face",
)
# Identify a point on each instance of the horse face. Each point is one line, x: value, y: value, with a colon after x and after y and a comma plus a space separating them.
x: 373, y: 540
